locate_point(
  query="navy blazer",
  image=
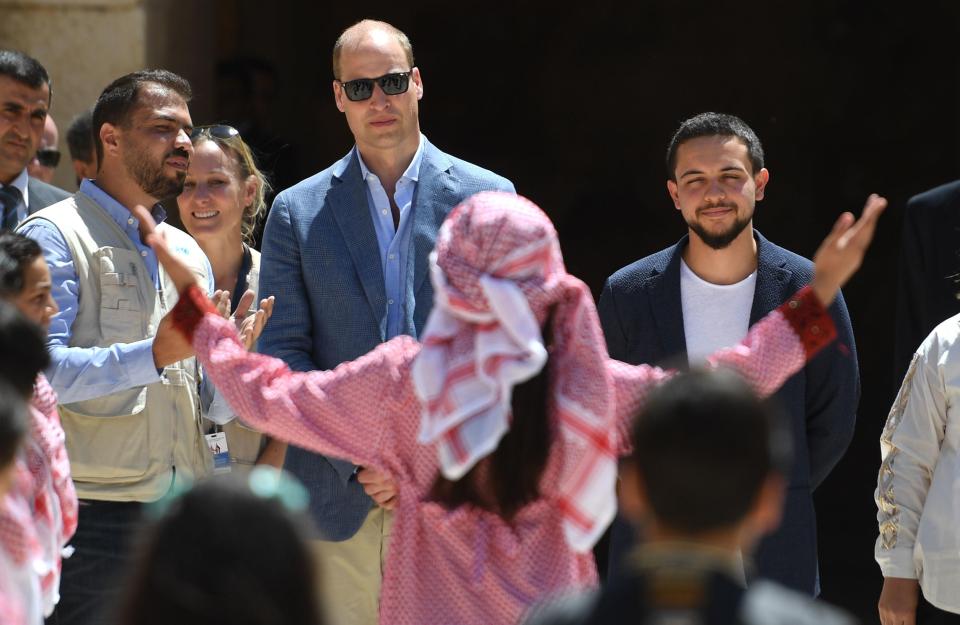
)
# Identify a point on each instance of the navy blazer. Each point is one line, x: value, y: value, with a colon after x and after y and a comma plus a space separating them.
x: 321, y: 260
x: 642, y: 317
x: 43, y: 195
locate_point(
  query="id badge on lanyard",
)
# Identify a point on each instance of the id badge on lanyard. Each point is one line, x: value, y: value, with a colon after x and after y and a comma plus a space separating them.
x: 217, y: 444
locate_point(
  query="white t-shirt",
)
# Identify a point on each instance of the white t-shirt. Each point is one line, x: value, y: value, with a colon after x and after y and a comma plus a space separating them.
x: 714, y: 315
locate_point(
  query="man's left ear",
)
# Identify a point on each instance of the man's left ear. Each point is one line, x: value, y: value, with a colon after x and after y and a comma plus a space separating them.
x: 761, y: 180
x: 338, y: 96
x: 417, y: 81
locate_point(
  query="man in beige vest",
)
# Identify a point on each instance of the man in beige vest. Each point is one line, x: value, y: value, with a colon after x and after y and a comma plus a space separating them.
x: 128, y: 386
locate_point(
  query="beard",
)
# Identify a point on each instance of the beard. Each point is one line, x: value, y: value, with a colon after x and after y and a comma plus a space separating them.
x: 722, y: 239
x: 150, y: 176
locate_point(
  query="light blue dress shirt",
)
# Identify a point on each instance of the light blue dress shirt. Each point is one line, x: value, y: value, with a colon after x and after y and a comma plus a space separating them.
x: 394, y: 243
x: 81, y: 373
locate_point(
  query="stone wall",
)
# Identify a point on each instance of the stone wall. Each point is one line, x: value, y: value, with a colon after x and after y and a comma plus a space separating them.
x: 85, y: 44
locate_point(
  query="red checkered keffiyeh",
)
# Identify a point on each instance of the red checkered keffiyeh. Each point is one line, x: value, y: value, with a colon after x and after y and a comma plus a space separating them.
x: 55, y: 507
x: 496, y: 273
x: 39, y: 513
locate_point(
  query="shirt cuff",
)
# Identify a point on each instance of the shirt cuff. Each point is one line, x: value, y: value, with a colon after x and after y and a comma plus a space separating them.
x: 190, y: 308
x: 810, y: 321
x: 896, y: 562
x: 139, y: 363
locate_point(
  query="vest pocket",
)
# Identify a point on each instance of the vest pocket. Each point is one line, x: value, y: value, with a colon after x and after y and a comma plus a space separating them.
x: 121, y: 317
x: 245, y: 443
x: 108, y: 439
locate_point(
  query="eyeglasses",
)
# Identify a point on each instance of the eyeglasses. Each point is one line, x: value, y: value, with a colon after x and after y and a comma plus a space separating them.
x: 362, y: 88
x: 219, y: 131
x: 48, y: 157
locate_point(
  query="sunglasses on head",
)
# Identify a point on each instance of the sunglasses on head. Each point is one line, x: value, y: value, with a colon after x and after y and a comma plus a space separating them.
x: 219, y: 131
x: 48, y: 157
x: 362, y: 88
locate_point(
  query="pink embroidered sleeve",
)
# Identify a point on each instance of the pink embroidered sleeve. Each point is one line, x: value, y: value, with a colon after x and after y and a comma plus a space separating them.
x: 776, y: 347
x: 340, y: 413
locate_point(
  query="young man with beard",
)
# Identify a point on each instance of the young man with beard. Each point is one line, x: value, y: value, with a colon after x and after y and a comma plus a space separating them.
x: 127, y: 384
x: 703, y: 294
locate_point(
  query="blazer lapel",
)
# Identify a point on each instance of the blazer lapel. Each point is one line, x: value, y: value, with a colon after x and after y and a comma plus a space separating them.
x: 348, y: 199
x: 37, y: 200
x: 772, y: 279
x: 666, y: 307
x: 434, y: 198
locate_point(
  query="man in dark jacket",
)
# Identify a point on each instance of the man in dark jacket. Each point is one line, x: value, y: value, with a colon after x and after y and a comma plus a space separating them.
x: 702, y: 294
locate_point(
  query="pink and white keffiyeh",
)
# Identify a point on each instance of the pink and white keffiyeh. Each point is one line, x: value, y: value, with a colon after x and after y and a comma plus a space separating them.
x: 55, y: 506
x: 39, y: 513
x: 496, y: 271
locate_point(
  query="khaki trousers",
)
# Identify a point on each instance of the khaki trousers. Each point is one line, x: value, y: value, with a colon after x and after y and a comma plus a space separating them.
x: 349, y: 572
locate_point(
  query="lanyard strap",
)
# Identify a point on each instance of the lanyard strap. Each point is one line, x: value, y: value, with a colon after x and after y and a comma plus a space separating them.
x: 242, y: 278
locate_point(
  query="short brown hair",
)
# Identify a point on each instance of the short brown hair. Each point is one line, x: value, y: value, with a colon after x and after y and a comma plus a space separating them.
x: 364, y: 26
x: 119, y: 99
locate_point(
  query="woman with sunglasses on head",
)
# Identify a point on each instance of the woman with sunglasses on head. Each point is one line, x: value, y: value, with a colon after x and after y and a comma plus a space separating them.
x: 506, y: 467
x: 223, y: 196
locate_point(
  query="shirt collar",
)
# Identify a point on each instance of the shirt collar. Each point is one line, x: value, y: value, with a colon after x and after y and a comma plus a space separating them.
x: 117, y: 211
x: 20, y: 182
x: 412, y: 172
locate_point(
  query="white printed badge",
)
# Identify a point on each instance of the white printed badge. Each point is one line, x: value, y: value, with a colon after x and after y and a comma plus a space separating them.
x: 217, y: 444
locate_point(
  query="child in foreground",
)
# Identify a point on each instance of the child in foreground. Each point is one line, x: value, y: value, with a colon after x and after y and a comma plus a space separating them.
x: 706, y: 480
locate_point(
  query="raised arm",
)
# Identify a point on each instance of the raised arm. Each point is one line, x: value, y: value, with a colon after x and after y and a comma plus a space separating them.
x: 337, y: 413
x: 80, y: 373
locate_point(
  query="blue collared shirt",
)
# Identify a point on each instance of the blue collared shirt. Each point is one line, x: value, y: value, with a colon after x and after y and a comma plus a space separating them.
x: 80, y: 373
x: 394, y: 243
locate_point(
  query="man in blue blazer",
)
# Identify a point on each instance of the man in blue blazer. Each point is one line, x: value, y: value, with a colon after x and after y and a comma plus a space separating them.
x: 346, y: 254
x: 702, y: 294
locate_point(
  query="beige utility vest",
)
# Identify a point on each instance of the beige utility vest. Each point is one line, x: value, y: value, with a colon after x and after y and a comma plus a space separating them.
x: 126, y: 446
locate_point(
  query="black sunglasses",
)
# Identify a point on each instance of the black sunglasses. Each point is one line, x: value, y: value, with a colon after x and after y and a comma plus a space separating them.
x: 362, y: 88
x: 48, y: 157
x: 219, y: 131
